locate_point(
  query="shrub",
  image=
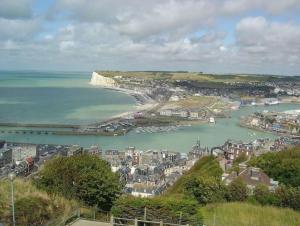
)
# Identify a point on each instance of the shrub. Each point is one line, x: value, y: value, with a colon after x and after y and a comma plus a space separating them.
x: 283, y: 166
x: 167, y: 209
x: 237, y: 190
x: 288, y: 197
x: 33, y: 210
x: 265, y: 197
x: 84, y: 177
x: 206, y: 189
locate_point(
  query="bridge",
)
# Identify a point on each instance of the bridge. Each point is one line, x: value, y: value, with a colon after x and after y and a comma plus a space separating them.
x: 19, y: 131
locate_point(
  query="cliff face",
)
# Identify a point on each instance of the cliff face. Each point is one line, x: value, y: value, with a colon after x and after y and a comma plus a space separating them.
x: 99, y: 80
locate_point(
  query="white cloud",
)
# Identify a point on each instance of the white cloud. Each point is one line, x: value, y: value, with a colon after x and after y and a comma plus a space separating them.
x: 17, y: 29
x: 15, y: 9
x: 156, y: 34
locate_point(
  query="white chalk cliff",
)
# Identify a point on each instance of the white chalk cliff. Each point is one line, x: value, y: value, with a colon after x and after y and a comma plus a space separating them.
x: 100, y: 80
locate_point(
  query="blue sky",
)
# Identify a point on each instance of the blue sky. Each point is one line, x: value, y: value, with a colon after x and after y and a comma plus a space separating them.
x: 217, y: 36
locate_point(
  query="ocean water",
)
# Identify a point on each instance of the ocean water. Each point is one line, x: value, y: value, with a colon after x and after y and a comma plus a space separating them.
x: 58, y: 98
x: 67, y: 98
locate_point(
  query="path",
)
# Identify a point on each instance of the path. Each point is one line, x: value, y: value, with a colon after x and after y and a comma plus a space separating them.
x: 89, y: 223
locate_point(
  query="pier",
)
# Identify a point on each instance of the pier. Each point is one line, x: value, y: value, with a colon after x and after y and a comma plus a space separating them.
x: 40, y: 125
x: 18, y: 131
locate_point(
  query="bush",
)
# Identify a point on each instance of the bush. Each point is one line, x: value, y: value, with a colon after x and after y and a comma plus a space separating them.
x: 32, y: 210
x: 206, y: 189
x: 237, y: 190
x: 206, y: 166
x: 283, y: 166
x: 263, y: 196
x: 84, y: 177
x: 166, y: 209
x: 288, y: 197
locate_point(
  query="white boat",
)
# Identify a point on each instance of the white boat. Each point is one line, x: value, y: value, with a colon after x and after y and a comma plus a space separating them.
x: 212, y: 120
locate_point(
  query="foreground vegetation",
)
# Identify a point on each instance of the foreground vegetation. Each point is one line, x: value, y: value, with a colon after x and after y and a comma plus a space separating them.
x: 198, y: 197
x: 283, y: 166
x: 168, y: 209
x: 238, y: 214
x: 33, y: 206
x: 85, y: 178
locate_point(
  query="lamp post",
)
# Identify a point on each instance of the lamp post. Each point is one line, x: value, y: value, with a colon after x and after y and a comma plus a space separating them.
x: 11, y: 177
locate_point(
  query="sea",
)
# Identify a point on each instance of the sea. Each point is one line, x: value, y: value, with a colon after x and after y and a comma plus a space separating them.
x: 67, y: 98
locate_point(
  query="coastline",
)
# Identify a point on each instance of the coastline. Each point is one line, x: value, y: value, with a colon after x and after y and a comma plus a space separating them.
x: 143, y: 101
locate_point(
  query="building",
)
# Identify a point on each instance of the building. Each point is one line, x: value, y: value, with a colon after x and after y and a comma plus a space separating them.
x: 5, y: 156
x: 143, y: 190
x: 251, y: 176
x: 74, y: 150
x: 194, y: 114
x: 23, y: 151
x: 232, y: 149
x: 2, y: 143
x: 93, y: 150
x: 166, y: 112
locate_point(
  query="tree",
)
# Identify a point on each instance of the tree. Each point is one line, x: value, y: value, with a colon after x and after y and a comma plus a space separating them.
x: 83, y: 177
x: 262, y: 194
x: 241, y: 158
x: 237, y: 190
x: 288, y: 196
x: 206, y: 189
x: 283, y: 166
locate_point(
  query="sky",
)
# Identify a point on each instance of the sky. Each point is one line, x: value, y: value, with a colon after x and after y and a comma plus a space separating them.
x: 213, y: 36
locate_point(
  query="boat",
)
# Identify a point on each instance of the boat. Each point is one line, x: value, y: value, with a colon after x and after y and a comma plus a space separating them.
x: 212, y: 120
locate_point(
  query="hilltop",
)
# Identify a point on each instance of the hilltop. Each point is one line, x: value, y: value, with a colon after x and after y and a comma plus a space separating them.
x: 197, y: 76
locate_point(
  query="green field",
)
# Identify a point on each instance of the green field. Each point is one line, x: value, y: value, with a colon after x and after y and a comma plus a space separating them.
x: 245, y: 214
x: 195, y: 76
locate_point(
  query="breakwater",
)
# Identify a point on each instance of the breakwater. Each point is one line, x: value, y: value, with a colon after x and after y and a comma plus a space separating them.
x: 39, y: 125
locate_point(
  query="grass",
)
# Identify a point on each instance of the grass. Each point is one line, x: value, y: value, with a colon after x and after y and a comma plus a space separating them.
x: 58, y: 206
x: 207, y: 165
x: 202, y: 103
x: 190, y: 76
x: 193, y: 102
x: 245, y: 214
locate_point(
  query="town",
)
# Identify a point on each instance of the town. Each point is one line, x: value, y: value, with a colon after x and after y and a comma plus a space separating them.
x: 145, y: 173
x: 284, y: 123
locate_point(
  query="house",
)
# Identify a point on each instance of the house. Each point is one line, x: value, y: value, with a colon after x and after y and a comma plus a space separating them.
x: 174, y: 98
x: 232, y: 149
x: 255, y: 122
x: 74, y: 150
x: 166, y: 112
x: 251, y: 176
x: 5, y: 156
x: 181, y: 113
x: 93, y: 150
x: 194, y: 114
x: 144, y: 190
x: 2, y: 143
x: 21, y: 152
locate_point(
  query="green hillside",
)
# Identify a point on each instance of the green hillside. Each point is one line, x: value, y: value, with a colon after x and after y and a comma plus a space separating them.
x: 283, y: 166
x: 207, y: 166
x: 196, y: 76
x: 31, y: 204
x: 240, y: 214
